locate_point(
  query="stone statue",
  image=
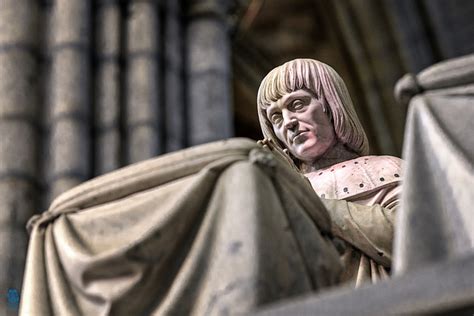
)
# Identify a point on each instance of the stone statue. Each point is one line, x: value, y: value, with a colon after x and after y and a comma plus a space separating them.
x: 305, y: 111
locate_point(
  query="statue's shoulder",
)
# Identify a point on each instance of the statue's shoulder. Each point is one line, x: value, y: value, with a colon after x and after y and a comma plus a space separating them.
x: 379, y: 163
x: 357, y: 176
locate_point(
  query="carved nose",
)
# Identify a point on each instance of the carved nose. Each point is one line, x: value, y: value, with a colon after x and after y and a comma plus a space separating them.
x: 291, y: 124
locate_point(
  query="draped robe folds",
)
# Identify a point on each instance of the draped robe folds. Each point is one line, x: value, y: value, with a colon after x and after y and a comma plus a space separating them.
x: 221, y: 228
x: 362, y: 196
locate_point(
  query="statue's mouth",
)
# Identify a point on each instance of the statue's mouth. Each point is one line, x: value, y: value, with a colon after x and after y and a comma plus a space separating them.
x: 299, y: 136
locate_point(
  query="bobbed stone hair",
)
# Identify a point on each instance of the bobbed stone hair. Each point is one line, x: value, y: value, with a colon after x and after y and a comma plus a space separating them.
x: 324, y: 82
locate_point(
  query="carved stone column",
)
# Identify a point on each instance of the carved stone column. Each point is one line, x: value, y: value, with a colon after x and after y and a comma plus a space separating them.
x: 18, y: 141
x: 107, y: 92
x: 143, y: 139
x: 208, y: 71
x: 68, y: 104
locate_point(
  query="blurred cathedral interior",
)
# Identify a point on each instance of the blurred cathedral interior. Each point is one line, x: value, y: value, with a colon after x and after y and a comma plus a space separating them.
x: 90, y: 86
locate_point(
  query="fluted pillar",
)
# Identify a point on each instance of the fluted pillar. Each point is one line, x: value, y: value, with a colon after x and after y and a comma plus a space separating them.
x: 18, y: 141
x: 68, y: 104
x: 208, y: 71
x: 142, y: 113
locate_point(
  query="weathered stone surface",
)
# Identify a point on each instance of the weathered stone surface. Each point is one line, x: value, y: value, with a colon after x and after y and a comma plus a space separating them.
x: 173, y: 220
x: 436, y: 222
x: 444, y: 289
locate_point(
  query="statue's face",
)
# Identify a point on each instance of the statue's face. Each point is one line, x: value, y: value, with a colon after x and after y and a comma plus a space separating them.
x: 299, y: 121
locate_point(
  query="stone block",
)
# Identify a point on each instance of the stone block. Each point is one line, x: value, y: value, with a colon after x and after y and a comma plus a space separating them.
x: 18, y: 84
x: 142, y: 27
x: 210, y: 113
x: 107, y: 95
x: 141, y: 90
x: 208, y: 46
x: 69, y: 149
x: 69, y: 83
x: 18, y: 148
x: 70, y: 22
x: 14, y: 33
x: 142, y: 143
x: 107, y: 151
x: 443, y: 289
x: 108, y: 19
x: 18, y: 202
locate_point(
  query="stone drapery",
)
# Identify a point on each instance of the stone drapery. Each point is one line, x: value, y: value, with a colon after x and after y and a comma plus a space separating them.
x: 436, y: 222
x: 221, y: 228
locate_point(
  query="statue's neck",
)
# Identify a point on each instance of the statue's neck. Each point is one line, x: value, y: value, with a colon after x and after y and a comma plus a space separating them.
x: 336, y: 154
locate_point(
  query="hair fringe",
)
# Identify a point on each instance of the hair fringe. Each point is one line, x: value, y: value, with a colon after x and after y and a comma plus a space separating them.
x: 323, y: 81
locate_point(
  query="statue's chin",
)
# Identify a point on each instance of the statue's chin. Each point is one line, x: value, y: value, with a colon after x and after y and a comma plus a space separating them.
x: 309, y: 156
x: 310, y: 151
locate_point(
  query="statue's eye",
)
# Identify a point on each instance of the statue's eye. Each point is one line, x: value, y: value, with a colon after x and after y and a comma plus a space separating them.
x: 275, y: 118
x: 297, y: 105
